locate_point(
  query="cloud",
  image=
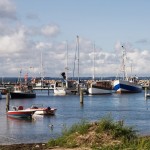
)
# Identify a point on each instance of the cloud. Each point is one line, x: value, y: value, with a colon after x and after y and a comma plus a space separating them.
x: 50, y: 30
x: 21, y: 47
x: 7, y: 10
x: 13, y: 42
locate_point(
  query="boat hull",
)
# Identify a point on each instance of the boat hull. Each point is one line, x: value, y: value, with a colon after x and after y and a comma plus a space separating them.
x: 121, y: 86
x: 100, y: 87
x: 96, y: 91
x: 43, y: 111
x: 60, y: 91
x: 15, y: 95
x: 20, y: 114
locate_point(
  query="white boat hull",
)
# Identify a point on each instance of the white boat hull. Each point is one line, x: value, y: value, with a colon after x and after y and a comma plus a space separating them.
x: 100, y: 87
x: 45, y: 112
x: 94, y: 91
x: 60, y: 91
x: 42, y: 111
x: 122, y: 86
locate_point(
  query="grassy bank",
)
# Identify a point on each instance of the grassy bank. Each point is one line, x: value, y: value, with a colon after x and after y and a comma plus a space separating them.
x: 105, y: 134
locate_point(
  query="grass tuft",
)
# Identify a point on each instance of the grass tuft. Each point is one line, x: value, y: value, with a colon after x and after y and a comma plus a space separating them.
x: 106, y: 134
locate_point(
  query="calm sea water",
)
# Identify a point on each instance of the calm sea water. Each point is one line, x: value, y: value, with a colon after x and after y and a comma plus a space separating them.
x: 132, y: 108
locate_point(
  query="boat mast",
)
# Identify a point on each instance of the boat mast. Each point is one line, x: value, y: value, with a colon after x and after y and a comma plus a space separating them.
x: 66, y: 65
x: 41, y: 68
x: 131, y: 70
x: 78, y: 56
x: 94, y: 61
x: 19, y: 79
x: 123, y: 63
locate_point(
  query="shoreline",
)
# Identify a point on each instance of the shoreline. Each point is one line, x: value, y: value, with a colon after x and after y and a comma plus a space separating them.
x: 36, y: 146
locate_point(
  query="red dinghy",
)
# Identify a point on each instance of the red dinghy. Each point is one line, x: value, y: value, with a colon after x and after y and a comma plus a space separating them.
x: 20, y: 113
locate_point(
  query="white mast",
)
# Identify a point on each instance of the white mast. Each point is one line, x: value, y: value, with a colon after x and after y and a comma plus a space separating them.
x: 94, y: 61
x: 66, y: 65
x: 78, y: 57
x: 123, y: 64
x: 41, y: 68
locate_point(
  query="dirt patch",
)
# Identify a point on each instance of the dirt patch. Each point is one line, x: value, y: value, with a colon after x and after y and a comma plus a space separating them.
x: 35, y: 146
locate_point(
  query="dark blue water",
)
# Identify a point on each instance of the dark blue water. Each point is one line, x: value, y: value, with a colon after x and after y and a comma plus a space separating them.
x: 132, y: 108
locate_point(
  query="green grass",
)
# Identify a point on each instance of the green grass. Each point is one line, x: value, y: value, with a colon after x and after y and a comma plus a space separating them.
x: 105, y: 134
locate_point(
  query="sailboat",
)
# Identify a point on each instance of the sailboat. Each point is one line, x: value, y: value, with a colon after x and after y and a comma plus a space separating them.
x: 65, y: 86
x: 126, y: 85
x: 99, y: 87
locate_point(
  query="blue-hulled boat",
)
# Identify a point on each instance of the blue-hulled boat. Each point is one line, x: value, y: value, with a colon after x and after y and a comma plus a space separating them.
x: 126, y: 84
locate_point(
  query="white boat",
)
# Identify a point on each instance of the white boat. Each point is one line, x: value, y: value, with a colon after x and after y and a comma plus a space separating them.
x: 40, y: 86
x: 126, y: 85
x: 60, y: 88
x: 40, y: 110
x: 100, y: 87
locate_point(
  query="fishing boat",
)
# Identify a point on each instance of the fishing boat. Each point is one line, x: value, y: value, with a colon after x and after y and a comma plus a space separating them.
x: 19, y: 112
x: 100, y: 87
x: 22, y: 91
x: 40, y: 110
x: 126, y: 84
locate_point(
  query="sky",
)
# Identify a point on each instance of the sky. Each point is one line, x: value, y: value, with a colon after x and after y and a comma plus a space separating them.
x: 39, y: 37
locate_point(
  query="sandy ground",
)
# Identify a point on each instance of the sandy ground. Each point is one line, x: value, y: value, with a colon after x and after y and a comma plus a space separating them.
x: 35, y: 146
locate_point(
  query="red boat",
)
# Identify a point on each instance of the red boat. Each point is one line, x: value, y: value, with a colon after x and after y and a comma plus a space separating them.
x: 20, y: 113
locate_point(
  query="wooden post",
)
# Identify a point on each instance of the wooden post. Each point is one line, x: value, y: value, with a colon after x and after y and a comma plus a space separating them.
x: 48, y: 89
x: 7, y: 101
x: 145, y: 92
x: 81, y: 96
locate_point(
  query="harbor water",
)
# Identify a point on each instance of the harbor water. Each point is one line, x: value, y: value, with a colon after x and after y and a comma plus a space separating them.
x: 133, y: 109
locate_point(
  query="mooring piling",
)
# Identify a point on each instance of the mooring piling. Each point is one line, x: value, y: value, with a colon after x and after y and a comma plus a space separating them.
x: 7, y: 101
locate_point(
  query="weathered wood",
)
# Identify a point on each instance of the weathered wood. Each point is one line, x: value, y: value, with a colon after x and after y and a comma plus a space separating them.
x: 81, y: 96
x: 7, y: 101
